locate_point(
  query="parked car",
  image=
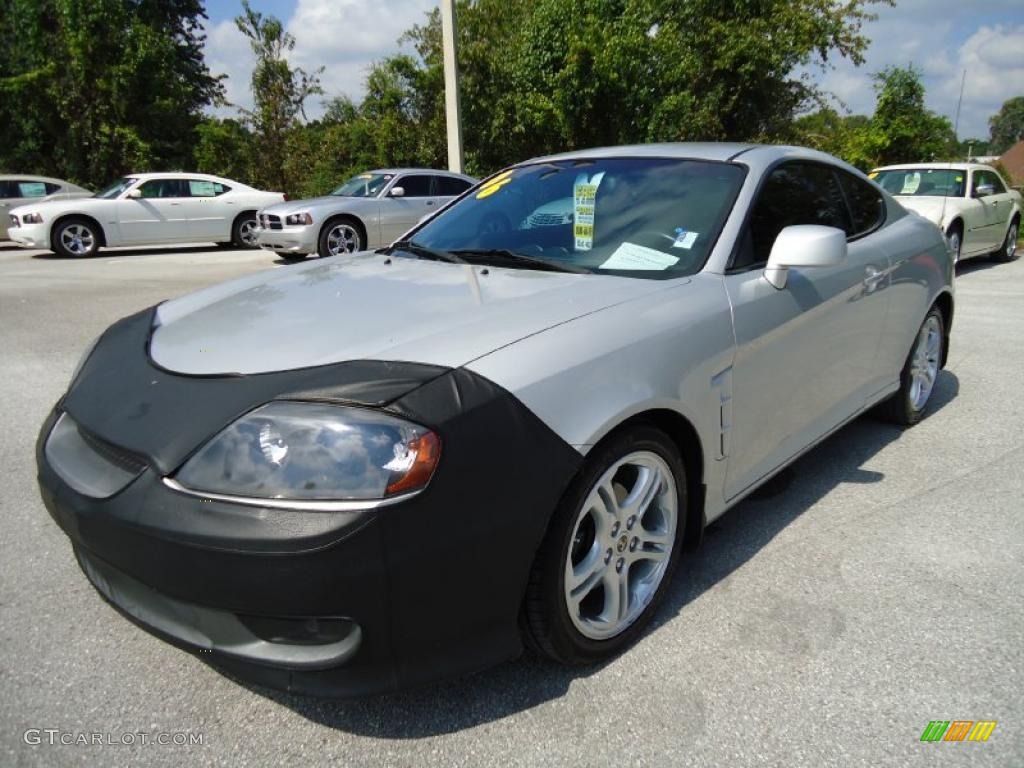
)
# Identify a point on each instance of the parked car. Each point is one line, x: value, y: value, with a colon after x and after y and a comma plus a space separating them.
x: 970, y: 202
x: 381, y: 469
x: 15, y: 190
x: 369, y: 210
x: 144, y: 209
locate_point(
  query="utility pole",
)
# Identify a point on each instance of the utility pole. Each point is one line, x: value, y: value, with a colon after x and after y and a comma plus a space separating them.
x: 452, y: 107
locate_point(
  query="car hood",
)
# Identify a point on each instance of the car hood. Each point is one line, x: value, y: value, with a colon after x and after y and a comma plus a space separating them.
x: 370, y: 307
x: 313, y: 204
x: 932, y: 208
x: 58, y: 205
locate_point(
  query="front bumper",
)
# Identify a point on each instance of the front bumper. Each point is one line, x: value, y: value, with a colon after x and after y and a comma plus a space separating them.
x: 426, y: 588
x: 30, y: 235
x: 288, y: 239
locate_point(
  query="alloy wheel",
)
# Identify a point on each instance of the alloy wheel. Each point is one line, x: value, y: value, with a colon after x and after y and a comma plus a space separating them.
x: 342, y: 238
x: 1010, y: 247
x: 953, y: 239
x: 621, y: 545
x: 924, y: 367
x: 247, y: 232
x: 77, y: 239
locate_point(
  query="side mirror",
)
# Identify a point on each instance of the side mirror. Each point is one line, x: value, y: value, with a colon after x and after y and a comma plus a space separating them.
x: 135, y: 194
x: 397, y: 192
x: 804, y: 245
x: 984, y: 190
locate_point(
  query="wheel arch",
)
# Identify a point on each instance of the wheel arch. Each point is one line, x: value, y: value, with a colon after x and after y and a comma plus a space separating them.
x: 686, y: 438
x: 91, y: 219
x: 944, y: 302
x: 360, y: 224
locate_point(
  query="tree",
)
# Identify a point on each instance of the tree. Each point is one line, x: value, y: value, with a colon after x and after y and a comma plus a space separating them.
x: 902, y: 129
x: 224, y: 148
x: 279, y: 94
x: 550, y: 75
x: 91, y: 89
x: 1006, y: 127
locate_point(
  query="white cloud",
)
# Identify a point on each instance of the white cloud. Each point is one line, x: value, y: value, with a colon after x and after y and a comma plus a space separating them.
x: 942, y: 38
x: 343, y: 36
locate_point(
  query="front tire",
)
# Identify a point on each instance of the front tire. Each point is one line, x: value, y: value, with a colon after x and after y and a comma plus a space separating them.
x: 610, y: 550
x: 243, y: 231
x: 76, y: 238
x: 920, y: 372
x: 1008, y: 250
x: 339, y: 236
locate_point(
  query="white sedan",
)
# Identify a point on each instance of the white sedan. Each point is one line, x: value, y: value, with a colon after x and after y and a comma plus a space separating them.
x: 144, y: 209
x: 969, y: 202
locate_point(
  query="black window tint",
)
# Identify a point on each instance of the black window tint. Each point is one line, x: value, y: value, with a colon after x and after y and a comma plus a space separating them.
x: 795, y: 193
x: 164, y: 188
x: 415, y: 186
x: 8, y: 189
x: 866, y: 204
x: 997, y: 183
x: 51, y: 188
x: 448, y: 186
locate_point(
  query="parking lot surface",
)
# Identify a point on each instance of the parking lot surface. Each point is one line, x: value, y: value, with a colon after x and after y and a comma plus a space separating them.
x: 874, y: 587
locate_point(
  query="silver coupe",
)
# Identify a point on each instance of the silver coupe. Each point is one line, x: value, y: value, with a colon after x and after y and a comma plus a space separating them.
x: 380, y: 469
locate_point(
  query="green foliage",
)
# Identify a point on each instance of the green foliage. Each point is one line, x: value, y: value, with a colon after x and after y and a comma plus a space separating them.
x: 224, y: 148
x: 1006, y: 127
x: 902, y: 130
x: 91, y: 89
x: 279, y: 94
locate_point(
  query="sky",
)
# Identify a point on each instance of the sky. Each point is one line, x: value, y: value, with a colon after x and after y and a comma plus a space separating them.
x: 941, y: 38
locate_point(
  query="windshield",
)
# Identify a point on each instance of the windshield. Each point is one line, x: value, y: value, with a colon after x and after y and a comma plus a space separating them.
x: 922, y: 182
x: 364, y: 185
x: 116, y: 188
x: 653, y: 218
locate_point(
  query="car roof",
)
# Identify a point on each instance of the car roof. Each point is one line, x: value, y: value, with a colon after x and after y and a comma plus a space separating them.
x: 181, y: 175
x: 757, y: 156
x: 432, y: 171
x: 938, y: 166
x: 35, y: 177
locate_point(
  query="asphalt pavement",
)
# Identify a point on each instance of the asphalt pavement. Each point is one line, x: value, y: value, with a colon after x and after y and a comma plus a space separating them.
x: 874, y: 587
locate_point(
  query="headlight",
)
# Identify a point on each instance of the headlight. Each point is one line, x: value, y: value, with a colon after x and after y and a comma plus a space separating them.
x: 32, y: 218
x: 298, y: 218
x: 314, y: 452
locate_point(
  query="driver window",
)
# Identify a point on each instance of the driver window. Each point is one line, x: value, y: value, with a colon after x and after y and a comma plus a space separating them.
x: 794, y: 193
x: 415, y: 186
x: 161, y: 188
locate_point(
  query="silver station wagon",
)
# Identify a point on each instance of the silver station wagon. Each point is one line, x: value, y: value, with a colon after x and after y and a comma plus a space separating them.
x: 379, y: 469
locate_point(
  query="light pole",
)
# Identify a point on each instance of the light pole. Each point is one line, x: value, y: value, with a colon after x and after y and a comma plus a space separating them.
x: 452, y: 108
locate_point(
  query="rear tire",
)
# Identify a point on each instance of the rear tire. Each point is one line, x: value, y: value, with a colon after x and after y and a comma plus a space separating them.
x: 243, y: 231
x: 610, y: 550
x: 1008, y: 250
x: 920, y: 372
x: 76, y: 237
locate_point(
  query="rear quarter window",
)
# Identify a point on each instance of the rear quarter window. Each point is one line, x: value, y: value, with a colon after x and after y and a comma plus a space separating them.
x: 867, y: 208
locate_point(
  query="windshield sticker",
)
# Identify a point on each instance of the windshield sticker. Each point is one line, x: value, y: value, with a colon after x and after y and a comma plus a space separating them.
x: 873, y: 174
x: 959, y: 178
x: 584, y: 193
x: 492, y: 186
x: 367, y: 176
x: 684, y: 238
x: 638, y: 257
x: 910, y: 183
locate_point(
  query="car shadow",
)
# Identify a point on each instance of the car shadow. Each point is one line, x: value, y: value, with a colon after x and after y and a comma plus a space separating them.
x: 729, y: 543
x: 975, y: 264
x: 154, y: 251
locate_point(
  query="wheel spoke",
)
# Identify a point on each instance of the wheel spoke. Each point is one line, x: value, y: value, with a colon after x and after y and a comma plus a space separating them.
x: 648, y: 484
x: 582, y: 578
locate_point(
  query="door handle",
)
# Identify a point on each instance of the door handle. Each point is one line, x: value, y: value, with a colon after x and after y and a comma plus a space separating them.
x: 872, y: 277
x: 430, y: 202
